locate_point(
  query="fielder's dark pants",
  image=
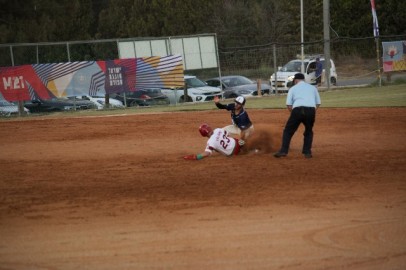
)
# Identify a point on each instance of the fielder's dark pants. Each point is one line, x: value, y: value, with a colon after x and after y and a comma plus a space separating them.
x: 305, y: 115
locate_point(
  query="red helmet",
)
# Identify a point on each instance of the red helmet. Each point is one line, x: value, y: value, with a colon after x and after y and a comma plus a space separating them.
x: 205, y: 129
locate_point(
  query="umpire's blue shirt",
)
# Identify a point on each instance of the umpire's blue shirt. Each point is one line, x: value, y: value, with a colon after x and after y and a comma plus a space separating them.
x: 303, y: 95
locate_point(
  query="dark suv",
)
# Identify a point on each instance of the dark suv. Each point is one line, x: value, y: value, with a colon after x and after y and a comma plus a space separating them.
x: 145, y: 97
x: 57, y: 104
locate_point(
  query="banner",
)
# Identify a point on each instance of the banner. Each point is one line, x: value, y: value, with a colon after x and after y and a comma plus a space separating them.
x: 45, y: 81
x: 374, y: 19
x: 160, y: 72
x: 14, y: 85
x: 120, y: 76
x: 394, y: 56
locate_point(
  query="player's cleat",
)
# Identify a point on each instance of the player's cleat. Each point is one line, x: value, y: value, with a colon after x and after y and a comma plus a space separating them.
x: 308, y: 155
x: 280, y: 154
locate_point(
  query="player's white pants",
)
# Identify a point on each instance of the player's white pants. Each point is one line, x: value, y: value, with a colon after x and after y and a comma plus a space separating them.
x: 233, y: 130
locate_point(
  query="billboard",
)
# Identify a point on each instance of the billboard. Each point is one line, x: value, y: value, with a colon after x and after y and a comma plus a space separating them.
x: 46, y: 81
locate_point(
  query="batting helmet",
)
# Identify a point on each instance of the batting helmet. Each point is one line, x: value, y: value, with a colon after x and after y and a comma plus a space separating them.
x: 240, y: 100
x: 205, y: 129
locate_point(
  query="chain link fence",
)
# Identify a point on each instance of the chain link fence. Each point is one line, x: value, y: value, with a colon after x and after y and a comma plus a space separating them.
x: 56, y: 52
x: 352, y: 56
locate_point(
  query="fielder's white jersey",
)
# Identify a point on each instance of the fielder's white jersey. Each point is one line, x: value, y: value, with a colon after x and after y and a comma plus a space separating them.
x: 221, y: 143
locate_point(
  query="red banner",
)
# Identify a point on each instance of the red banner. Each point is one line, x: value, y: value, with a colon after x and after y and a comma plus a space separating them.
x: 17, y: 83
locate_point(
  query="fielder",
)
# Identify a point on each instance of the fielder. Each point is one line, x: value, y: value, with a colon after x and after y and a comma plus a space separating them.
x: 219, y: 141
x: 241, y: 123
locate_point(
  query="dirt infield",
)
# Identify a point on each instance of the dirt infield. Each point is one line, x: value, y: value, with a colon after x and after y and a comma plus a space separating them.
x: 115, y: 193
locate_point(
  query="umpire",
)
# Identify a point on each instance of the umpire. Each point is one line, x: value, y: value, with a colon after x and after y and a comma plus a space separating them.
x: 302, y: 101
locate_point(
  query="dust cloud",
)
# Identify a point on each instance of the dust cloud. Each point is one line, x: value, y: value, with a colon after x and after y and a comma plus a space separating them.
x: 265, y: 139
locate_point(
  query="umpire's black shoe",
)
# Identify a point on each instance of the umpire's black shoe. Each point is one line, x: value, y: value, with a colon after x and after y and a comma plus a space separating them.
x: 280, y: 154
x: 308, y: 155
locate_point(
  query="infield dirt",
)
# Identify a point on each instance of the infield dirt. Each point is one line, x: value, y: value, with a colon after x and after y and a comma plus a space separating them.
x: 115, y: 193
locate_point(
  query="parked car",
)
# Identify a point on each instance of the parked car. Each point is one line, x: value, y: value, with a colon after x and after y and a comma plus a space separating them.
x: 8, y: 108
x: 286, y: 73
x: 57, y: 104
x: 235, y: 85
x: 143, y: 98
x: 197, y: 91
x: 99, y: 101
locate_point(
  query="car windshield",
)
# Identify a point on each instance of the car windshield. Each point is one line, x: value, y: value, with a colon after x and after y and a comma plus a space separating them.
x: 153, y: 91
x: 195, y: 82
x: 293, y: 66
x: 235, y: 81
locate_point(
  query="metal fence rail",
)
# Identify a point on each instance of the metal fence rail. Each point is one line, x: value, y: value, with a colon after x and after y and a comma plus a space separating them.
x: 253, y: 61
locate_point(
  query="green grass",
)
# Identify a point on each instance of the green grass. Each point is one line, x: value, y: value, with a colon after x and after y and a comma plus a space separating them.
x: 384, y: 96
x: 388, y: 96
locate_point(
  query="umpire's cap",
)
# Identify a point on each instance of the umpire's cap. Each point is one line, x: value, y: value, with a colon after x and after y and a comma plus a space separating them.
x: 299, y: 76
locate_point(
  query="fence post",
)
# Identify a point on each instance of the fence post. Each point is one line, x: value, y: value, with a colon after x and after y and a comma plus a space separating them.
x: 185, y: 94
x: 20, y: 102
x: 275, y: 70
x: 67, y: 50
x: 259, y: 87
x: 12, y: 55
x: 106, y: 101
x: 378, y: 61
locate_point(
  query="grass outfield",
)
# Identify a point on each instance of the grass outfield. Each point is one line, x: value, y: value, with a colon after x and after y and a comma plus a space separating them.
x: 385, y: 96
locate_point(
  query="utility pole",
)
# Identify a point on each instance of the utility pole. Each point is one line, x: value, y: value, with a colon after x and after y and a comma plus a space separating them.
x: 326, y: 30
x: 301, y: 37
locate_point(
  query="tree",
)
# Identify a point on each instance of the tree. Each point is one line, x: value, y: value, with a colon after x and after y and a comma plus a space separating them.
x: 113, y: 20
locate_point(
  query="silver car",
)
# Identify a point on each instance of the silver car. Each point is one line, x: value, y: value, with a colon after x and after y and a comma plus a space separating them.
x: 8, y: 108
x: 236, y: 85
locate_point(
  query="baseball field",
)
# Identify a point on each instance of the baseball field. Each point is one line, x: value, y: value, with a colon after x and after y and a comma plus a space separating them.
x: 111, y: 191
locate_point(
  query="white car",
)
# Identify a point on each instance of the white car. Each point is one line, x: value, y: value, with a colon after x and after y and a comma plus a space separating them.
x: 99, y: 101
x: 8, y: 108
x: 286, y: 73
x: 197, y: 91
